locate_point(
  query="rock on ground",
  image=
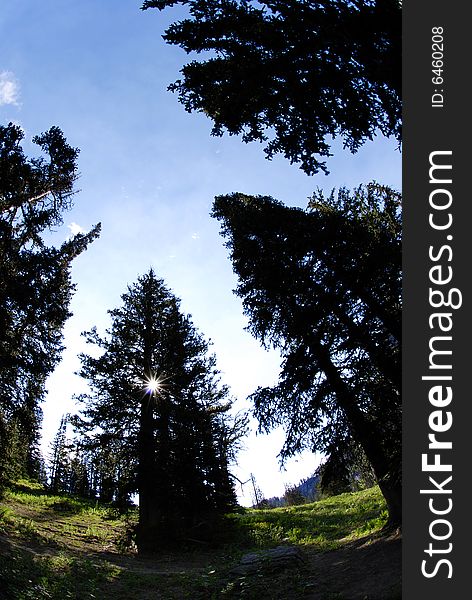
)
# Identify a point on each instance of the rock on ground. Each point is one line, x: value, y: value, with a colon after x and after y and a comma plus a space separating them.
x: 275, y: 559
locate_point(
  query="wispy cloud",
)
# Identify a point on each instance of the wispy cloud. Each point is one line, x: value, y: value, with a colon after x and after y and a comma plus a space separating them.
x: 195, y: 236
x: 9, y: 89
x: 75, y: 229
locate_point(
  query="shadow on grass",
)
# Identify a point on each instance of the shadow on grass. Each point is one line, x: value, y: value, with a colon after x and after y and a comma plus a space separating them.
x: 26, y: 576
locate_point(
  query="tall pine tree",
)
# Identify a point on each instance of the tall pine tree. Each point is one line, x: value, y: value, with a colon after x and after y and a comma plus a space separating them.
x: 155, y: 395
x: 60, y: 459
x: 35, y: 283
x: 324, y: 287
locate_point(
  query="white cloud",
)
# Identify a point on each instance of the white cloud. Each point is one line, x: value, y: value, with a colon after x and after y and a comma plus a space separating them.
x: 9, y: 89
x: 195, y: 236
x: 75, y: 229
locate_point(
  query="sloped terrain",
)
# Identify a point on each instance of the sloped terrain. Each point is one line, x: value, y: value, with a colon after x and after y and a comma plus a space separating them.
x: 68, y: 548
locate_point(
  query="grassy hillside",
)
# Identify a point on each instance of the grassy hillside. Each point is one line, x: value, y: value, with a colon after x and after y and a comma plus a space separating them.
x: 57, y: 547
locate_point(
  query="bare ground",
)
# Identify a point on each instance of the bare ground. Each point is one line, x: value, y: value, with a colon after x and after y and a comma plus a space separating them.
x: 361, y: 570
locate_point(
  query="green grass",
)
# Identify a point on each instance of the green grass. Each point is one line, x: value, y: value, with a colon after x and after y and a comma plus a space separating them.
x: 30, y: 493
x: 24, y: 576
x: 57, y: 547
x: 324, y: 524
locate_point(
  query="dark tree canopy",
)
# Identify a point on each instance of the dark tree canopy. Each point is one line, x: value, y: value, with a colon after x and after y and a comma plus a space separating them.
x: 292, y: 73
x: 35, y: 283
x: 155, y: 398
x: 324, y: 287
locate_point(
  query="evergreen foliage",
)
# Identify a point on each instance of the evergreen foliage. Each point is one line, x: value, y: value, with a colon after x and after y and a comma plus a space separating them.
x: 293, y: 496
x: 323, y: 286
x: 156, y: 405
x: 35, y: 285
x: 347, y: 470
x: 290, y: 73
x: 60, y: 463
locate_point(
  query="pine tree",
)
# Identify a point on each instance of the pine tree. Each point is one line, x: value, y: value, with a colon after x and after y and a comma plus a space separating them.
x: 155, y: 398
x: 323, y: 286
x: 292, y: 74
x: 35, y: 284
x: 60, y: 460
x: 78, y: 478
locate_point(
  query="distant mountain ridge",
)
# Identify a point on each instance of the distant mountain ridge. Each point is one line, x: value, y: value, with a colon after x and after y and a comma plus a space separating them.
x: 306, y: 491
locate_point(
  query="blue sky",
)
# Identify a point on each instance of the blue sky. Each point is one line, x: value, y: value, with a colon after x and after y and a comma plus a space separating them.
x: 149, y: 172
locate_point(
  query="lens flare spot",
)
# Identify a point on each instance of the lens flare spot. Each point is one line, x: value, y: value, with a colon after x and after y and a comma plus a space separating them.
x: 153, y: 385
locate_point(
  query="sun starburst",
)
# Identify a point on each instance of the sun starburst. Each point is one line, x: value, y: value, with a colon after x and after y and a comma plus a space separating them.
x: 154, y: 385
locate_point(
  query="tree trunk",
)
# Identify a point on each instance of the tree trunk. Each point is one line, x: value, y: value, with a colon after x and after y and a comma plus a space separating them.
x: 148, y: 506
x: 392, y: 492
x: 371, y: 439
x: 157, y: 518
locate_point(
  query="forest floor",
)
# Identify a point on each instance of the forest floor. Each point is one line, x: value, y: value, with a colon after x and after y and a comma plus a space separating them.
x: 58, y: 547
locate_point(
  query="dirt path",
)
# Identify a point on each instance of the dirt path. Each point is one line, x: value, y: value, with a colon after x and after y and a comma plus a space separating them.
x: 365, y: 569
x: 362, y: 570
